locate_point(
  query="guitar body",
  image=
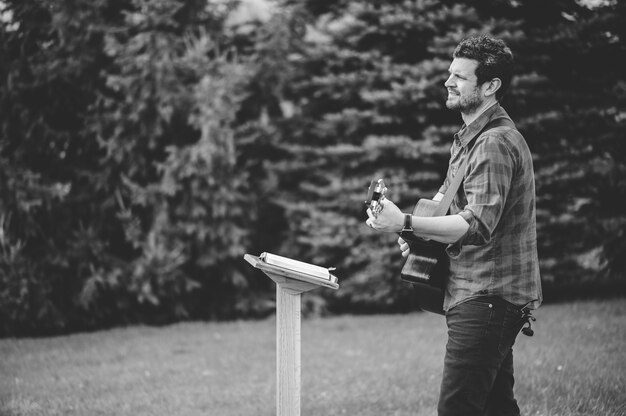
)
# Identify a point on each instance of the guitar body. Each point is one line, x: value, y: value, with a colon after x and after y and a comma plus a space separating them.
x: 426, y: 266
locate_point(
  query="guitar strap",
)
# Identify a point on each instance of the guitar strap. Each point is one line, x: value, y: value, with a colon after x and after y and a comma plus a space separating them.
x: 446, y: 201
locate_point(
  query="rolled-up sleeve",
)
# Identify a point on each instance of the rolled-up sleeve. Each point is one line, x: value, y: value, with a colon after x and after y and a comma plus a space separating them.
x: 487, y: 182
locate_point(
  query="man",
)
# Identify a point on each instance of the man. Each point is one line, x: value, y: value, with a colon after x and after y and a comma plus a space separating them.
x: 494, y: 272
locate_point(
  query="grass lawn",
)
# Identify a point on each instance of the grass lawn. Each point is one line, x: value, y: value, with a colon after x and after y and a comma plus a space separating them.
x: 351, y: 365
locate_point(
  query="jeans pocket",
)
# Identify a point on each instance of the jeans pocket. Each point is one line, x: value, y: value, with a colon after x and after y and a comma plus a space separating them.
x: 470, y: 330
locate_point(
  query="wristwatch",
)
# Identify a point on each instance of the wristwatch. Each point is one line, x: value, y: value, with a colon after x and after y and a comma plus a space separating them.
x: 408, y: 223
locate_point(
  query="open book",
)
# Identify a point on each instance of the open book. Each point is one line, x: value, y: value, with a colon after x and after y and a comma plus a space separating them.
x: 299, y: 266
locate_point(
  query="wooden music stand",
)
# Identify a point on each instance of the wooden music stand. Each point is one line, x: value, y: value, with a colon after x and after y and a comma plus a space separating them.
x: 289, y: 287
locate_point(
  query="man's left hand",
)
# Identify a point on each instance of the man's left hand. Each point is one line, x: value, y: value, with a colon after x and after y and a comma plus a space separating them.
x: 390, y: 219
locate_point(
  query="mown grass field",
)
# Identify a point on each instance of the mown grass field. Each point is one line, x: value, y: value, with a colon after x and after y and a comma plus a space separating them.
x: 351, y: 365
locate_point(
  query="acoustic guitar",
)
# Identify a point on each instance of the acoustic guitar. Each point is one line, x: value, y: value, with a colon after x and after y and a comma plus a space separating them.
x: 426, y: 266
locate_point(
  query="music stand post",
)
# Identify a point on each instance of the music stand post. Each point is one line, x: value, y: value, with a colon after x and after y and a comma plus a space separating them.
x: 289, y: 287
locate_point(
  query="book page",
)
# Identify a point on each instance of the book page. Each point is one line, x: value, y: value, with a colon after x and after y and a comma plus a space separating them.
x: 297, y: 266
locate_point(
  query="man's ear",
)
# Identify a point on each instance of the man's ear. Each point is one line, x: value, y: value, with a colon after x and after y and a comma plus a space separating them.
x: 492, y: 86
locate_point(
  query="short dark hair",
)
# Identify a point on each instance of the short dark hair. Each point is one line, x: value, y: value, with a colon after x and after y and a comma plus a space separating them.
x: 495, y: 60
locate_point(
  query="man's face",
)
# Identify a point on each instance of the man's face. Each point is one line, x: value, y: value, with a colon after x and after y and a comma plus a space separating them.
x: 463, y: 92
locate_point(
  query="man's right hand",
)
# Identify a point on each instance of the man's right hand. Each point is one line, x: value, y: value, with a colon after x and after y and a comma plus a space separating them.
x: 404, y: 247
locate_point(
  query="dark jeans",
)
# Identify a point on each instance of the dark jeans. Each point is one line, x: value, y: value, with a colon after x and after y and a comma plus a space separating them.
x: 478, y: 367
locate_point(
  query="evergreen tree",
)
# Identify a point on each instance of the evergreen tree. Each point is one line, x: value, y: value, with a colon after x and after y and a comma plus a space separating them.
x: 49, y: 235
x: 121, y: 195
x: 147, y: 145
x: 370, y: 104
x: 166, y: 122
x: 569, y: 102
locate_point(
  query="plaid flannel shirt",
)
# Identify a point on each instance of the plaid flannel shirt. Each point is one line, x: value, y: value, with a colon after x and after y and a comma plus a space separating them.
x: 498, y: 254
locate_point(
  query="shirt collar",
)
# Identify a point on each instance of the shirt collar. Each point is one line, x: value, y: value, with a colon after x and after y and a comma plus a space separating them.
x: 467, y: 133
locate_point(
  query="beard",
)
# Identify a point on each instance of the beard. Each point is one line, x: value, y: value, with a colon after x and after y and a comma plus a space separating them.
x: 467, y: 103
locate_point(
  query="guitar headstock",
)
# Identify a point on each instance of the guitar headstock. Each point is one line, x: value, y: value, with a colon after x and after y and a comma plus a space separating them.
x: 375, y: 193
